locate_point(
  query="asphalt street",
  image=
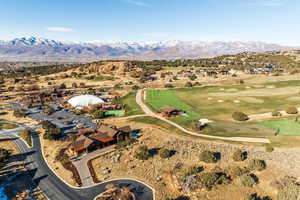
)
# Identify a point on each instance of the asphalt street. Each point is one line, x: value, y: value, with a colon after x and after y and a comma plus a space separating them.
x: 55, y: 189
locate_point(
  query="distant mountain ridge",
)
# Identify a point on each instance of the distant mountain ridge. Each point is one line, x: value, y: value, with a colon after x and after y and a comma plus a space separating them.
x: 33, y: 48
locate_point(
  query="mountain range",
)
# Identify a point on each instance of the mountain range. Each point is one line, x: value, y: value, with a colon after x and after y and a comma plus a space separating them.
x: 32, y: 48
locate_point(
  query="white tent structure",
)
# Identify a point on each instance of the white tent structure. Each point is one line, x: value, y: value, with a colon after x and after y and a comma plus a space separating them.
x: 84, y: 100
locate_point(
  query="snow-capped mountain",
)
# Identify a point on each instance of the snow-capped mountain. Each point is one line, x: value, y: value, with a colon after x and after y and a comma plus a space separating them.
x: 33, y: 48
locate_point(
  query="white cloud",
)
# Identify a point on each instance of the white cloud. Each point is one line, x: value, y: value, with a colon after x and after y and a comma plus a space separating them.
x: 137, y: 3
x: 60, y: 29
x: 267, y: 3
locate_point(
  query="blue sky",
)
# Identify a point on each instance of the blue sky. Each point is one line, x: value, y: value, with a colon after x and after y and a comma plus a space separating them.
x: 152, y: 20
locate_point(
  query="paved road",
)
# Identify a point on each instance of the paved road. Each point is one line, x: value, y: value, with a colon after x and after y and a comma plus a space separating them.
x: 149, y: 112
x: 54, y: 188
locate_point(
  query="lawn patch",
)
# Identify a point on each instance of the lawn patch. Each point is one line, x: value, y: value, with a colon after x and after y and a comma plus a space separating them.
x: 131, y: 107
x: 160, y: 98
x: 283, y: 126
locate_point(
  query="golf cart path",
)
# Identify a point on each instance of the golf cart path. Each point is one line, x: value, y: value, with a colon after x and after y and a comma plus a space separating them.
x: 146, y: 109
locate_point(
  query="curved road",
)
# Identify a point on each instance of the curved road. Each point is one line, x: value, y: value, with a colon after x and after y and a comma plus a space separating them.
x: 54, y: 188
x: 150, y: 113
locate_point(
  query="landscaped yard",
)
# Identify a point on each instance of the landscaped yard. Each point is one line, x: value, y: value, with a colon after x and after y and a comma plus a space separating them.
x: 160, y: 98
x: 131, y: 107
x: 283, y: 126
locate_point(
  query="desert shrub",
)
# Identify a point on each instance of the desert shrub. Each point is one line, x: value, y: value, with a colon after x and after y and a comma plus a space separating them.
x: 255, y: 197
x: 193, y: 77
x: 51, y: 131
x: 239, y: 116
x: 47, y: 124
x: 4, y: 154
x: 290, y: 192
x: 82, y: 85
x: 292, y: 110
x: 74, y: 85
x: 235, y: 171
x: 283, y: 182
x: 197, y: 84
x: 26, y: 135
x: 188, y: 84
x: 256, y: 164
x: 208, y: 157
x: 135, y: 87
x: 207, y: 180
x: 48, y: 110
x: 251, y: 197
x: 62, y: 86
x: 19, y: 113
x: 165, y: 153
x: 142, y: 153
x: 223, y: 179
x: 269, y: 148
x: 193, y: 170
x: 177, y: 198
x: 239, y: 155
x: 276, y: 113
x: 189, y: 183
x: 98, y: 114
x: 78, y: 111
x: 248, y: 180
x: 169, y: 85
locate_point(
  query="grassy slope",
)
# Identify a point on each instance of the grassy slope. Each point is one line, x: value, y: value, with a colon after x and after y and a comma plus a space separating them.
x: 132, y: 108
x: 285, y: 126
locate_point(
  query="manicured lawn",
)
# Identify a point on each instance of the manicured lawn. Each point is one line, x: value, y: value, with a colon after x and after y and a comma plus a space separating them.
x: 160, y: 98
x: 117, y: 113
x: 131, y: 107
x: 284, y: 126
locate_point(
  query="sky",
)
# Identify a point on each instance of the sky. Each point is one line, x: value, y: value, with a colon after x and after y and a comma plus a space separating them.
x: 275, y: 21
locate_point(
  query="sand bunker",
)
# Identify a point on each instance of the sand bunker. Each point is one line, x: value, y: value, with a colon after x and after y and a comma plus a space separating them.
x: 220, y: 101
x: 232, y: 90
x: 252, y: 100
x: 258, y: 86
x: 294, y: 99
x: 270, y: 86
x: 236, y: 101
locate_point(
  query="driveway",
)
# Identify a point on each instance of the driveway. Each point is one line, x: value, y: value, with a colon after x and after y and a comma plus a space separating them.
x: 82, y: 166
x: 149, y: 112
x: 56, y: 189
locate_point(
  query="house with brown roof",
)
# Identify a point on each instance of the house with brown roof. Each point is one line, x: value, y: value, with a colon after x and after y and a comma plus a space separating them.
x: 82, y: 144
x: 104, y: 136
